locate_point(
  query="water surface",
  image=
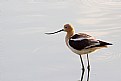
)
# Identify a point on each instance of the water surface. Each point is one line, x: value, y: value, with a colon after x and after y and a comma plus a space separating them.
x: 27, y: 54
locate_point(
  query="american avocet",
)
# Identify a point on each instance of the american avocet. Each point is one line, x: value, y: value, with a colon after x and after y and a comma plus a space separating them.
x: 81, y: 43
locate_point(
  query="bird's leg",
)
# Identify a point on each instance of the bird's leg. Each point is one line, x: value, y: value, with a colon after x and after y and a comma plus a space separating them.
x: 88, y: 67
x: 83, y: 69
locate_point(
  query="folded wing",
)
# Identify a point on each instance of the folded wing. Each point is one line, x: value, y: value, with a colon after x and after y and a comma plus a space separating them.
x: 84, y: 41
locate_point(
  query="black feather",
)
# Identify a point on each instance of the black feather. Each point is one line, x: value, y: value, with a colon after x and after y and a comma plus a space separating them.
x: 79, y: 45
x: 102, y: 43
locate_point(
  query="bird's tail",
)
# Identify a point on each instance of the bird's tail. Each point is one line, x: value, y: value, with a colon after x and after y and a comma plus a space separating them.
x: 102, y: 43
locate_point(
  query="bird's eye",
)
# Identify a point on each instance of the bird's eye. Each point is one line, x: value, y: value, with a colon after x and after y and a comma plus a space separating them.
x: 65, y: 26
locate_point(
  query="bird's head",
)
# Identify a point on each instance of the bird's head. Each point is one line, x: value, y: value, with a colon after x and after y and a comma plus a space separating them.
x: 67, y: 28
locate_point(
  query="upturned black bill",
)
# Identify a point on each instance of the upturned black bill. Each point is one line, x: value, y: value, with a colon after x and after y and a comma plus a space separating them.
x: 55, y: 32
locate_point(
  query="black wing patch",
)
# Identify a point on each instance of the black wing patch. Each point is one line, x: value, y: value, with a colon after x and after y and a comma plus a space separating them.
x: 79, y: 45
x: 102, y: 43
x: 87, y: 43
x: 80, y: 35
x: 75, y: 36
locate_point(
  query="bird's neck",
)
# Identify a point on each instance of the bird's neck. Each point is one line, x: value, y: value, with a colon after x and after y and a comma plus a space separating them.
x: 68, y: 36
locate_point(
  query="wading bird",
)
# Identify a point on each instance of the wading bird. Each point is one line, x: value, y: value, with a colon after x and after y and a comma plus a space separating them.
x: 81, y: 44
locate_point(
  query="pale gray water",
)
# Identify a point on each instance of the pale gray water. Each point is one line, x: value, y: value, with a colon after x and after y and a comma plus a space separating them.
x: 27, y: 54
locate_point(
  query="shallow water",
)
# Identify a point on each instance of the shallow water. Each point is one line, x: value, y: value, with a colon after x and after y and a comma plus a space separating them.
x: 27, y: 54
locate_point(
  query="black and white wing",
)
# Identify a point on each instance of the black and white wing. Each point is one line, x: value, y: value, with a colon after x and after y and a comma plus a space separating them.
x: 83, y: 41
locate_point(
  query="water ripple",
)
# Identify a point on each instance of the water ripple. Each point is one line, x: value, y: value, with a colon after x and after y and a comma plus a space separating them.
x: 107, y: 56
x: 113, y: 28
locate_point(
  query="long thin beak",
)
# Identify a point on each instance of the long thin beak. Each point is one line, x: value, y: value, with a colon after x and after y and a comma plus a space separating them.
x: 55, y: 32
